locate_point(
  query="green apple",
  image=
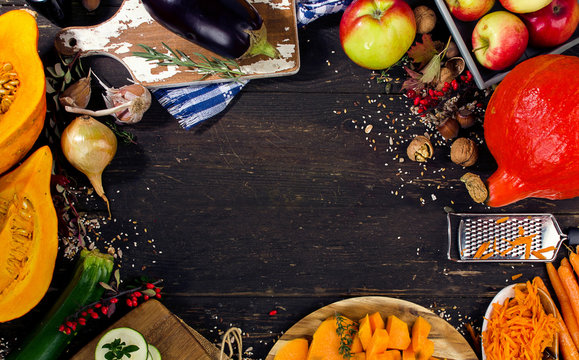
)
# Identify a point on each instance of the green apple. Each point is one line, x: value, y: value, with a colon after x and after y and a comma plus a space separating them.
x: 375, y: 34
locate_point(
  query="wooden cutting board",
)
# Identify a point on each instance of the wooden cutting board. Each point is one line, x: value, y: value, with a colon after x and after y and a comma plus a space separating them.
x: 174, y: 339
x: 131, y: 25
x: 448, y: 342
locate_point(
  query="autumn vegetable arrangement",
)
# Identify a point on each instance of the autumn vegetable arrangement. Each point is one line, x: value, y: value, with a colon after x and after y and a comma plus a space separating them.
x: 369, y: 338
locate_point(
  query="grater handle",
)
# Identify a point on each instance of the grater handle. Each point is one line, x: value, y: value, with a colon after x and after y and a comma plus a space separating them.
x: 573, y: 236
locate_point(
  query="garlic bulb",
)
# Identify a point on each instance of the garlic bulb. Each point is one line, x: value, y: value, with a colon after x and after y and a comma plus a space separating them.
x: 127, y: 104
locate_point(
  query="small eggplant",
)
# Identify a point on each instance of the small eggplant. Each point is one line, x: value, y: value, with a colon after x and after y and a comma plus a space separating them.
x: 230, y: 28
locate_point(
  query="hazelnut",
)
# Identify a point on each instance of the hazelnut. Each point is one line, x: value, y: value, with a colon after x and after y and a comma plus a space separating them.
x: 464, y: 152
x: 448, y: 128
x: 420, y: 149
x: 475, y: 187
x: 425, y: 19
x: 452, y: 50
x: 465, y: 118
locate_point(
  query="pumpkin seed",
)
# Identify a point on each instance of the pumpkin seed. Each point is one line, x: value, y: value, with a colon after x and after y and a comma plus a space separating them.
x: 9, y: 83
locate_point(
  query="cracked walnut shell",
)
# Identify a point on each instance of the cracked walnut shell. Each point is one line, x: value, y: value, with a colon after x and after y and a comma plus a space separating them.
x: 420, y: 149
x: 475, y: 187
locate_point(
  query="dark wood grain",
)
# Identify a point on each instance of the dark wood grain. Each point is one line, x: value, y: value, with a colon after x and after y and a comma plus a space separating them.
x: 286, y: 202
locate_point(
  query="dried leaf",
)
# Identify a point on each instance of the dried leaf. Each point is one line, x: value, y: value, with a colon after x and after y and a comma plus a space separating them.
x: 431, y: 71
x: 117, y: 275
x: 106, y: 286
x: 423, y: 52
x: 149, y: 292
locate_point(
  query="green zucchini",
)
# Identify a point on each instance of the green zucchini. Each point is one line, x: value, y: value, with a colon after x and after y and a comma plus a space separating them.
x: 46, y: 342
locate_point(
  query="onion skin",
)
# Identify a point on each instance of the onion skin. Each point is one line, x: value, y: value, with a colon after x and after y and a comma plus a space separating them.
x: 90, y: 146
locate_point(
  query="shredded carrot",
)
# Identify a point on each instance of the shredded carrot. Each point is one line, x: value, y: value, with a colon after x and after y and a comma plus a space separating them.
x: 547, y: 249
x: 519, y: 329
x: 521, y: 231
x: 480, y: 251
x: 516, y: 276
x: 502, y: 220
x: 538, y: 255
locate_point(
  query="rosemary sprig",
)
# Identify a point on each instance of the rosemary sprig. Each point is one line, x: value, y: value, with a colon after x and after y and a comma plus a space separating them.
x: 227, y: 69
x: 125, y: 136
x: 346, y: 331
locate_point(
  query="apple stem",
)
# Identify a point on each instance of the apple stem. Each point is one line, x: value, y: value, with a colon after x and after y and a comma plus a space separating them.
x: 479, y: 48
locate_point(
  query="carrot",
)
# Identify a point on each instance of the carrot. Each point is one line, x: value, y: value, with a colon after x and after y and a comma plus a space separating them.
x: 502, y: 220
x: 481, y: 250
x: 571, y: 287
x: 566, y: 344
x: 538, y: 255
x: 519, y: 328
x: 574, y: 260
x: 564, y: 303
x: 516, y: 276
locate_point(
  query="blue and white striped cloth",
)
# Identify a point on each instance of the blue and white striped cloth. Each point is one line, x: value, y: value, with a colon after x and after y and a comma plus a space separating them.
x: 193, y: 104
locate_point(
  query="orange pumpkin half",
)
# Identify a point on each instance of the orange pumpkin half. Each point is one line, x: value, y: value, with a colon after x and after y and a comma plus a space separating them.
x: 28, y: 235
x: 531, y: 128
x: 22, y: 87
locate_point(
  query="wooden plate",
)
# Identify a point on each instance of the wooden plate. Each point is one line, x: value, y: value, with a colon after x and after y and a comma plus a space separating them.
x: 448, y: 342
x: 131, y: 25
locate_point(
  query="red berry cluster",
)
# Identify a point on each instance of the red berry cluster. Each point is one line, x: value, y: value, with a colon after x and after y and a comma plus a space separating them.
x: 108, y: 305
x: 428, y: 99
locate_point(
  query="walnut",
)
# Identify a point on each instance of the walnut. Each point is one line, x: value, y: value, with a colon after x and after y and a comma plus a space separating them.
x: 420, y: 149
x: 425, y: 19
x: 464, y: 152
x: 476, y: 187
x: 452, y: 50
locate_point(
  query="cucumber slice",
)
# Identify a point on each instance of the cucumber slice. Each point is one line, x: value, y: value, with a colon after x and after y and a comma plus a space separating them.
x: 129, y: 337
x: 154, y: 353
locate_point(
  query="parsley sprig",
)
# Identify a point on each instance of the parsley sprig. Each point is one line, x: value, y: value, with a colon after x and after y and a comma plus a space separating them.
x: 119, y: 349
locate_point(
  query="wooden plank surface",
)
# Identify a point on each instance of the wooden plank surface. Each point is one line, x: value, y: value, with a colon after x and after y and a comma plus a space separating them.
x: 285, y: 202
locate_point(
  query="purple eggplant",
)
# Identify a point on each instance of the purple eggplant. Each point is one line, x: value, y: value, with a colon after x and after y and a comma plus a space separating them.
x: 230, y: 28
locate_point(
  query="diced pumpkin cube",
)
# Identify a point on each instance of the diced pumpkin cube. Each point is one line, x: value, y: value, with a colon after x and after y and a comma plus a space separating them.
x: 376, y: 321
x: 296, y: 349
x: 365, y: 331
x: 427, y: 350
x: 399, y: 333
x: 408, y: 353
x: 356, y: 346
x: 387, y: 355
x: 378, y: 343
x: 325, y: 344
x: 420, y: 331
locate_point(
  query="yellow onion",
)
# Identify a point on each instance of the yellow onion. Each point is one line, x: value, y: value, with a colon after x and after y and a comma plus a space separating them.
x: 90, y: 146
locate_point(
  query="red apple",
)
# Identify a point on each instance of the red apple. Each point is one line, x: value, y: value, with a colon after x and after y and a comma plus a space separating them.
x: 554, y: 24
x: 499, y: 39
x: 375, y: 34
x: 524, y: 6
x: 469, y: 10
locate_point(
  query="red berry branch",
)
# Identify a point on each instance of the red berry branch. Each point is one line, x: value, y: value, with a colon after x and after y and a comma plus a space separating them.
x: 107, y: 305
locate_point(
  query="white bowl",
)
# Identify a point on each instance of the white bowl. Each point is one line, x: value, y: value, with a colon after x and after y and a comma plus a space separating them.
x: 509, y: 292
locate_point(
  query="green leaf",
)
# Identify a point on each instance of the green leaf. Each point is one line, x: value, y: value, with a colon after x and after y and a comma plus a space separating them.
x: 117, y: 275
x: 130, y: 349
x: 106, y: 286
x: 59, y: 72
x: 67, y: 77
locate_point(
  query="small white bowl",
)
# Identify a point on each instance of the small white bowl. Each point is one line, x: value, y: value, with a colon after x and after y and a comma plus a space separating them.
x: 509, y: 292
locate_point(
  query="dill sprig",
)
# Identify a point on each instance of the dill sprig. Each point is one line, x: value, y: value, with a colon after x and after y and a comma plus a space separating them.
x: 227, y: 69
x: 346, y: 329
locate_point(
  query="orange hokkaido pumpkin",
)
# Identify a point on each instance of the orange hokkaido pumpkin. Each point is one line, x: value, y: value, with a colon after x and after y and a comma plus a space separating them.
x: 23, y: 100
x: 28, y: 235
x: 531, y: 128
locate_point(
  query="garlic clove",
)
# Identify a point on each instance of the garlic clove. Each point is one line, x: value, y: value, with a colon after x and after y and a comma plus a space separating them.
x: 77, y: 94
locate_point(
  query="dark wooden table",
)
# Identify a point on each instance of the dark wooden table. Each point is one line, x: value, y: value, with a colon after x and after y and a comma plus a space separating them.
x: 286, y: 202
